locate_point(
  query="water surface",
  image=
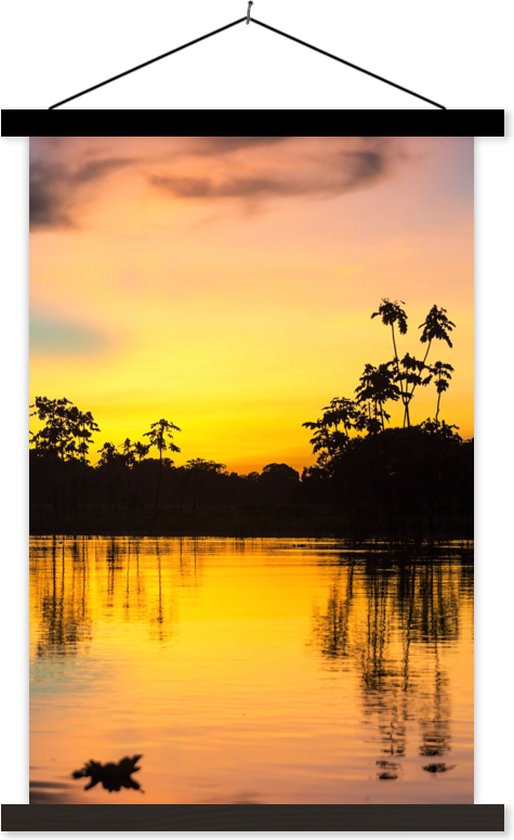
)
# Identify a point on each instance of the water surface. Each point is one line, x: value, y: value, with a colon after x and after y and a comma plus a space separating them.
x: 293, y: 671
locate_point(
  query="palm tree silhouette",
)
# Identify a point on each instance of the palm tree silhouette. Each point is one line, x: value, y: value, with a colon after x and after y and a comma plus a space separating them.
x: 436, y: 327
x: 409, y: 370
x: 442, y: 376
x: 160, y: 435
x: 392, y: 313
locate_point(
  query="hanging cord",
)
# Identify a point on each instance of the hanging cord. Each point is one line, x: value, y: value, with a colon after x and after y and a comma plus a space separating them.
x: 146, y: 63
x: 348, y: 63
x: 249, y: 19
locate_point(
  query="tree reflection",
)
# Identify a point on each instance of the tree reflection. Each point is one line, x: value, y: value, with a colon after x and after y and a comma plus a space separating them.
x: 62, y: 595
x: 332, y: 626
x: 76, y: 582
x: 377, y: 614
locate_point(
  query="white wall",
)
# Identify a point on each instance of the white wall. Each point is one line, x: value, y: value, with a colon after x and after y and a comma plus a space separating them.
x: 458, y: 53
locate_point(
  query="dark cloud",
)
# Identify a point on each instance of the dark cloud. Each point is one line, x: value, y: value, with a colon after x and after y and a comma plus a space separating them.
x: 335, y: 175
x: 286, y: 167
x: 54, y: 188
x: 47, y: 197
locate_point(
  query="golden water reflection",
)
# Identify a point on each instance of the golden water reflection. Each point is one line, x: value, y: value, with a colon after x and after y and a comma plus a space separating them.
x: 252, y: 670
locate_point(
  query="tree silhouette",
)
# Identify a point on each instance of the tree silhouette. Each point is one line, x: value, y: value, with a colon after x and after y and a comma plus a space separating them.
x: 392, y: 314
x: 140, y: 450
x: 436, y: 327
x: 109, y: 455
x: 128, y: 452
x: 443, y: 430
x: 160, y: 435
x: 377, y: 386
x: 344, y: 412
x: 83, y: 428
x: 332, y: 430
x: 326, y: 443
x: 66, y: 432
x: 201, y: 465
x: 410, y: 376
x: 442, y: 377
x: 410, y: 371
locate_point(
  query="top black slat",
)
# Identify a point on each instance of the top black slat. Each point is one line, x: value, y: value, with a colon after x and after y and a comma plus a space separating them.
x: 231, y: 123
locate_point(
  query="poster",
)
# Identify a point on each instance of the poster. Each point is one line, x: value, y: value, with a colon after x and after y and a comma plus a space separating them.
x: 251, y: 372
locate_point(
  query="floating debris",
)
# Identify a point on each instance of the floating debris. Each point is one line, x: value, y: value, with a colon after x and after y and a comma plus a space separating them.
x: 112, y: 777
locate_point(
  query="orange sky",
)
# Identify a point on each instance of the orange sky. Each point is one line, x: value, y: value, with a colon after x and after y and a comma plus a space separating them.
x: 227, y: 284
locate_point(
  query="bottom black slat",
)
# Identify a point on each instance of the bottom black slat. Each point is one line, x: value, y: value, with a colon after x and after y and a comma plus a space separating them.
x: 252, y: 817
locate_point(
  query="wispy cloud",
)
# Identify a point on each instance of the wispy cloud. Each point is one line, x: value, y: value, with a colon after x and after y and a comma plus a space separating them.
x: 63, y: 336
x: 225, y: 145
x: 343, y: 169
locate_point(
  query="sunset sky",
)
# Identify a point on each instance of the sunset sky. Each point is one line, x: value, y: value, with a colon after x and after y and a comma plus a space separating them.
x: 227, y: 283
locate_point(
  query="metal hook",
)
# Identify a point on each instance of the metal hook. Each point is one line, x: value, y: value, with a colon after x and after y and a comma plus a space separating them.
x: 249, y: 12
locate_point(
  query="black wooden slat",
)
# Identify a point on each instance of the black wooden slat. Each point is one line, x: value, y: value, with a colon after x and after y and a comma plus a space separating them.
x: 252, y: 817
x: 311, y: 123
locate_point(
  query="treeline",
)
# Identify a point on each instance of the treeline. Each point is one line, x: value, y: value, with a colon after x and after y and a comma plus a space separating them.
x: 403, y: 482
x: 369, y: 480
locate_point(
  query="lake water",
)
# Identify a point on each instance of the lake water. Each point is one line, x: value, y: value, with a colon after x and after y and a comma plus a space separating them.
x: 266, y: 670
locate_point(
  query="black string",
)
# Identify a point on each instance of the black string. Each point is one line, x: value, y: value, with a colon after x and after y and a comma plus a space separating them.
x: 265, y: 26
x: 146, y: 63
x: 348, y: 63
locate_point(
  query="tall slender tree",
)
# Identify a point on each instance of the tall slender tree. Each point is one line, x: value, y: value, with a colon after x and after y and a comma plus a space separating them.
x: 442, y: 377
x: 393, y: 315
x: 436, y: 327
x: 161, y: 435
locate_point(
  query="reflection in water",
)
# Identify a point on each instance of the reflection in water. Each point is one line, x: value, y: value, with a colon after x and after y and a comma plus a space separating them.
x: 410, y: 603
x: 62, y: 592
x: 438, y: 767
x: 388, y: 770
x: 63, y: 589
x: 303, y: 672
x: 112, y: 777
